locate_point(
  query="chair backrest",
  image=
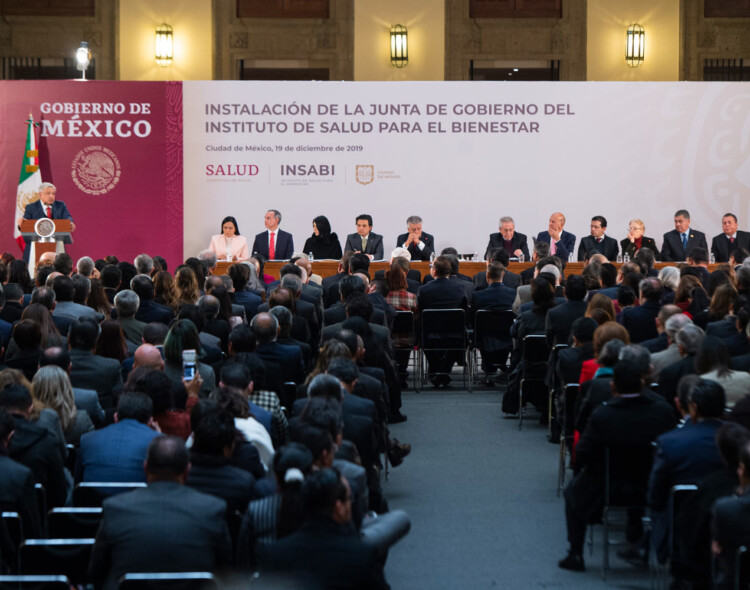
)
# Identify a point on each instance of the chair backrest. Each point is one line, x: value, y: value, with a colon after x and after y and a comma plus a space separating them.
x: 446, y: 325
x: 34, y: 583
x: 68, y: 557
x: 741, y: 567
x: 169, y: 581
x: 567, y: 414
x: 490, y: 322
x: 73, y: 523
x: 403, y: 327
x: 626, y: 471
x: 93, y: 493
x: 678, y: 495
x: 14, y: 526
x: 70, y: 459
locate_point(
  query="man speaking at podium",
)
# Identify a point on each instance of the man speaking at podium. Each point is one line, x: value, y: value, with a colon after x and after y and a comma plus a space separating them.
x: 46, y: 206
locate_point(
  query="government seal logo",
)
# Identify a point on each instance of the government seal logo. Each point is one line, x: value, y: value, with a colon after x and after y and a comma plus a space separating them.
x: 95, y: 170
x: 365, y: 174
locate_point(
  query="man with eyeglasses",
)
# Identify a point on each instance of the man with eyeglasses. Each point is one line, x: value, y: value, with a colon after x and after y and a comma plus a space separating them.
x: 597, y: 242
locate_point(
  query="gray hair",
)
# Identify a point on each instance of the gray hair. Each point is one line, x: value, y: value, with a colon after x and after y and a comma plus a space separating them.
x: 292, y: 282
x: 228, y: 283
x: 82, y: 286
x: 210, y: 306
x: 144, y: 264
x: 676, y: 323
x: 690, y: 338
x: 208, y: 256
x: 610, y: 353
x: 413, y: 220
x: 324, y: 383
x: 638, y: 358
x: 552, y: 269
x: 126, y: 303
x: 401, y: 253
x: 282, y: 315
x: 45, y: 185
x: 85, y: 266
x: 507, y: 219
x: 276, y: 214
x: 670, y: 277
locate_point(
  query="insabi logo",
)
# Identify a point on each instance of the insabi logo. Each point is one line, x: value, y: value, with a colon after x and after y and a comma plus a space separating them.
x: 365, y: 174
x: 96, y: 170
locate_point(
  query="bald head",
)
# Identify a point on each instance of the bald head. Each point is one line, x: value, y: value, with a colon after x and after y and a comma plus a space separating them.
x: 305, y: 265
x: 52, y: 276
x: 365, y: 279
x: 213, y: 281
x: 266, y: 327
x: 47, y: 258
x: 147, y: 355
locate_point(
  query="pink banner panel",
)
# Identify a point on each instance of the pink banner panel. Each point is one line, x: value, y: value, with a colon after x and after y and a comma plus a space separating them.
x: 114, y: 152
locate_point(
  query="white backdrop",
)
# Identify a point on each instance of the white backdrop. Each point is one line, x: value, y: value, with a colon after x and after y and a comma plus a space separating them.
x: 621, y: 150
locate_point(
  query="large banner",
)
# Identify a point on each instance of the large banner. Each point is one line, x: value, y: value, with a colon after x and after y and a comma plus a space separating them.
x: 114, y: 152
x: 461, y: 155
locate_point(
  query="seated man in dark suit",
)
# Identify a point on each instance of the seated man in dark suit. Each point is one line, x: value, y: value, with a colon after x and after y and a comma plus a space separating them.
x: 442, y: 293
x: 165, y: 527
x: 365, y: 240
x: 541, y: 251
x: 240, y: 275
x: 419, y: 244
x: 289, y: 358
x: 697, y: 265
x: 496, y: 297
x: 326, y: 550
x: 661, y: 341
x: 89, y: 370
x: 148, y: 310
x: 730, y: 239
x: 561, y: 243
x: 510, y: 279
x: 274, y: 243
x: 679, y: 242
x: 330, y: 284
x: 640, y: 320
x: 512, y: 242
x: 598, y: 242
x: 689, y: 340
x: 561, y: 317
x: 629, y: 418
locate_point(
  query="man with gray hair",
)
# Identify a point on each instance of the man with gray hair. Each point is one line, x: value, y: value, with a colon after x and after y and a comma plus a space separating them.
x: 126, y: 304
x: 208, y: 259
x: 671, y: 354
x: 514, y: 243
x: 85, y: 266
x: 46, y: 206
x: 420, y: 244
x: 689, y: 340
x: 144, y: 264
x: 274, y: 243
x: 289, y: 358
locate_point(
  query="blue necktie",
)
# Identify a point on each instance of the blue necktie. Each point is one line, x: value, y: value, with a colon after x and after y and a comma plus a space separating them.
x: 684, y: 241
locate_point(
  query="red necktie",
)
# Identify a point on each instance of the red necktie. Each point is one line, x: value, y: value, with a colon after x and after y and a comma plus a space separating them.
x: 49, y: 212
x: 598, y: 240
x: 731, y: 240
x: 271, y: 247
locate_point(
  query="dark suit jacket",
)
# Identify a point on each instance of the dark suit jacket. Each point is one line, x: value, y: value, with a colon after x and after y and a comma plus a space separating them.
x: 495, y: 297
x: 672, y: 251
x: 212, y: 474
x: 36, y: 210
x: 639, y: 321
x: 731, y: 528
x: 510, y: 279
x: 657, y: 344
x: 722, y: 247
x: 331, y: 288
x: 519, y: 241
x: 91, y: 371
x: 608, y: 246
x: 17, y: 495
x: 565, y: 246
x: 416, y: 253
x: 150, y: 311
x: 442, y: 293
x: 560, y: 320
x: 374, y: 244
x: 283, y: 248
x: 250, y: 301
x: 164, y: 527
x: 289, y: 358
x: 670, y: 376
x: 629, y: 248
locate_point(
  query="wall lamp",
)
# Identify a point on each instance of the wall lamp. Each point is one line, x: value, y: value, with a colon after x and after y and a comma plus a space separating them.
x: 634, y: 45
x: 164, y: 46
x: 399, y: 46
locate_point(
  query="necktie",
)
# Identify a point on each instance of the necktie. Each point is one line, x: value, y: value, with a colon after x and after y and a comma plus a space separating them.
x: 552, y: 246
x: 271, y: 247
x: 731, y: 240
x: 364, y: 244
x: 598, y: 240
x: 684, y: 241
x: 49, y: 212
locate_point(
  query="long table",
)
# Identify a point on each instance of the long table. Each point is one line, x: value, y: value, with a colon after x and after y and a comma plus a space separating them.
x: 326, y: 268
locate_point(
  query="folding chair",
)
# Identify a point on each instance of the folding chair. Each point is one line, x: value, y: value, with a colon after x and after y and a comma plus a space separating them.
x: 68, y: 557
x: 565, y: 413
x: 626, y: 471
x: 70, y: 458
x: 170, y: 581
x: 405, y: 338
x: 41, y: 503
x: 14, y: 526
x: 91, y: 494
x: 741, y: 568
x: 533, y: 367
x: 444, y: 330
x: 678, y: 495
x: 34, y: 583
x: 553, y: 390
x: 74, y: 523
x: 490, y: 325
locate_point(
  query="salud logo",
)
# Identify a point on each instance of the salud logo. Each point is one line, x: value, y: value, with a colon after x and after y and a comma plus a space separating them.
x: 96, y: 170
x: 365, y: 174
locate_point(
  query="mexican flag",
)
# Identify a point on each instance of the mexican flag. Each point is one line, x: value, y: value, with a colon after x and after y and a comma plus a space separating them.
x: 29, y: 181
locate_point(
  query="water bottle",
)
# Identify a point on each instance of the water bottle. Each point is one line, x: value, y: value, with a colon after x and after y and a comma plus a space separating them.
x: 310, y: 256
x: 712, y: 258
x: 432, y: 257
x: 570, y: 257
x: 626, y: 258
x: 521, y: 257
x: 619, y: 258
x: 475, y: 258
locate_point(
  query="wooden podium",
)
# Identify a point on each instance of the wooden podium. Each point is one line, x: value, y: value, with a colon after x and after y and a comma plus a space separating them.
x: 55, y: 233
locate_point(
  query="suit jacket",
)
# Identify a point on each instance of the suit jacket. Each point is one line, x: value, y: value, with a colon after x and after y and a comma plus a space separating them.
x: 721, y: 247
x: 150, y: 311
x: 496, y: 297
x: 331, y: 288
x: 36, y: 210
x: 672, y: 250
x: 218, y: 245
x: 163, y: 527
x: 731, y: 528
x: 629, y: 248
x: 560, y: 321
x: 283, y: 248
x: 442, y: 293
x: 212, y: 474
x: 510, y: 279
x: 670, y: 376
x: 88, y: 401
x: 91, y: 371
x: 381, y: 334
x: 115, y: 453
x: 133, y: 329
x: 289, y: 358
x: 249, y: 300
x: 661, y: 342
x: 639, y: 321
x: 608, y: 246
x: 76, y: 310
x: 519, y: 241
x: 17, y: 495
x: 374, y: 244
x: 565, y: 246
x: 416, y: 253
x: 11, y: 312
